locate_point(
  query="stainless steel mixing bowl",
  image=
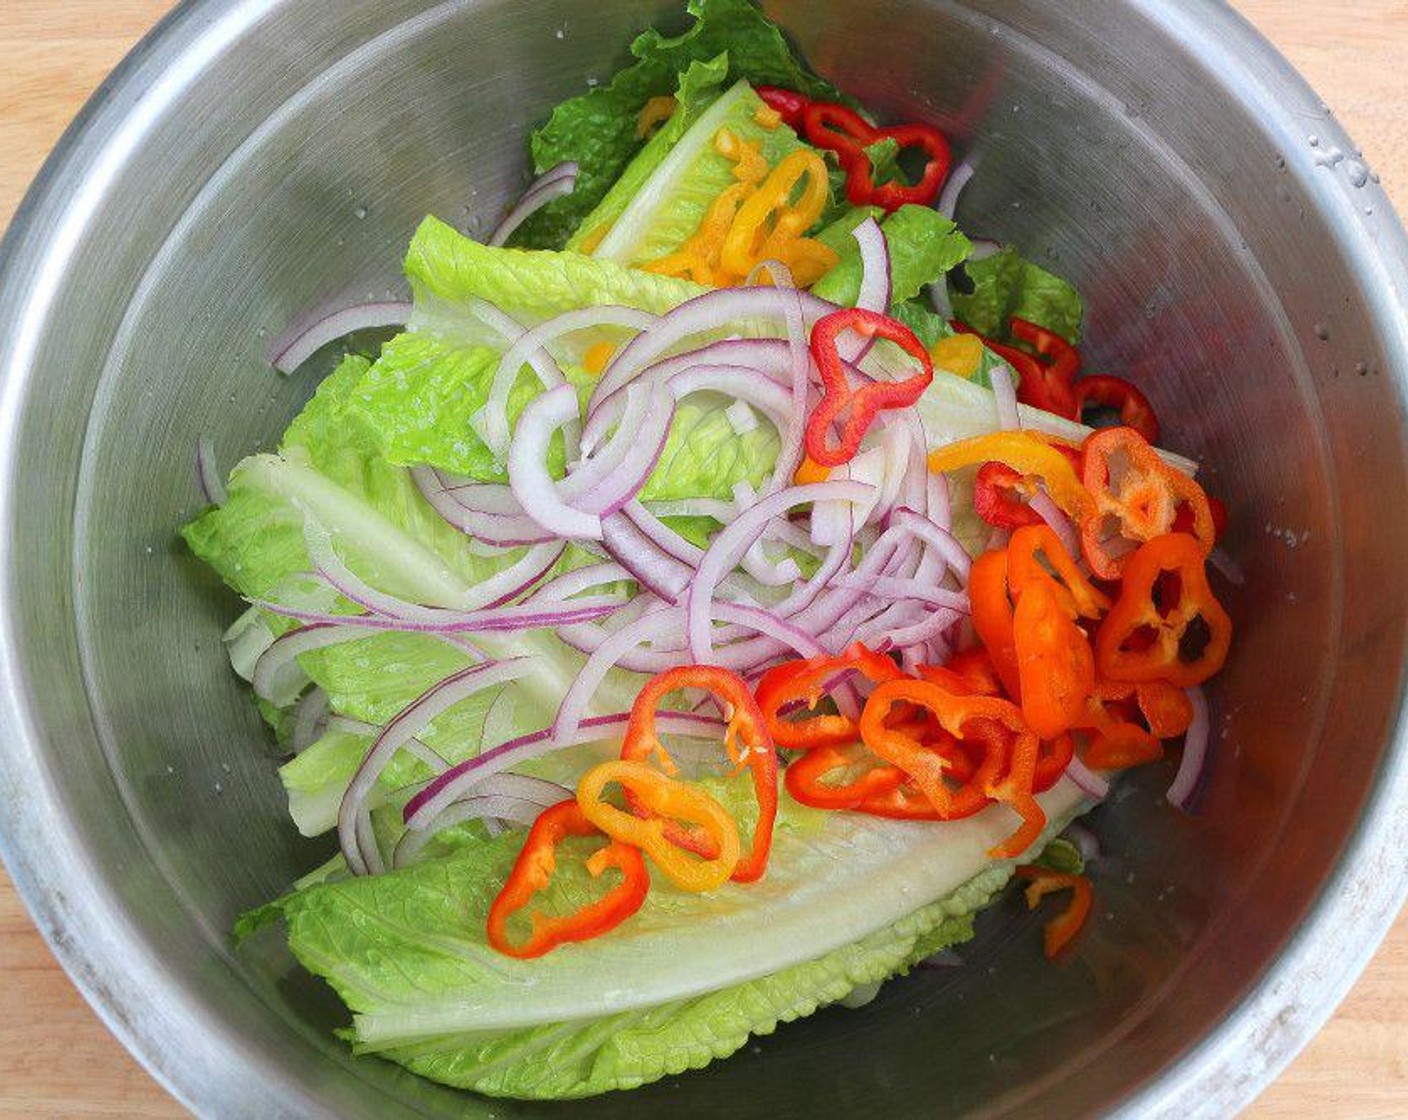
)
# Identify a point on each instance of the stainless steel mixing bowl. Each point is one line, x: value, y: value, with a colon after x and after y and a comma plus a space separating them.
x: 258, y: 159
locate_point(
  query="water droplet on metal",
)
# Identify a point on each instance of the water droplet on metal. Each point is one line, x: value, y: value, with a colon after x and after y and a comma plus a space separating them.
x: 1361, y: 368
x: 1356, y: 173
x: 1313, y: 140
x: 360, y: 213
x: 1322, y: 332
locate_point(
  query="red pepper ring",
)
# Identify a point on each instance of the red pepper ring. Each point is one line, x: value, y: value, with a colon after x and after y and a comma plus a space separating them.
x: 1039, y: 385
x: 805, y: 682
x: 532, y: 873
x: 745, y: 725
x: 1006, y: 773
x: 845, y: 132
x: 869, y: 399
x: 1104, y: 391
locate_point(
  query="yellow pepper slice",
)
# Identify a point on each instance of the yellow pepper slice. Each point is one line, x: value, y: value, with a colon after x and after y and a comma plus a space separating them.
x: 1025, y: 454
x: 653, y: 114
x: 768, y: 219
x: 960, y: 354
x: 668, y: 801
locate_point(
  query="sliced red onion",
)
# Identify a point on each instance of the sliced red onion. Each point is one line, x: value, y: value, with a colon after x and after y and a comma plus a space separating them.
x: 1005, y: 395
x: 505, y: 584
x: 1085, y: 841
x: 958, y: 178
x: 345, y: 725
x: 778, y: 272
x: 277, y: 677
x: 1089, y: 782
x: 528, y: 474
x: 939, y: 300
x: 983, y: 248
x: 941, y: 539
x: 912, y: 590
x: 557, y: 182
x: 579, y: 580
x: 413, y: 841
x: 353, y: 816
x: 294, y: 349
x: 924, y: 630
x: 663, y: 537
x: 1196, y: 741
x: 769, y: 624
x: 875, y: 285
x: 211, y: 485
x: 495, y: 620
x: 649, y: 565
x: 525, y: 347
x: 630, y: 457
x: 727, y: 549
x: 1054, y: 516
x: 505, y: 531
x: 651, y: 627
x: 308, y: 719
x: 723, y: 309
x: 1231, y: 571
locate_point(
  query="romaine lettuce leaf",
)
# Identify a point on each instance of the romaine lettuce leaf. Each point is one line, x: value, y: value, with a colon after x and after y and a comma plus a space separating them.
x: 923, y: 246
x: 598, y: 129
x: 618, y: 1011
x: 666, y: 207
x: 1005, y: 286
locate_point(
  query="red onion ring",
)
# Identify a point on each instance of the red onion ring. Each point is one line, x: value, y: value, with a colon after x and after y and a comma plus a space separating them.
x: 353, y: 817
x: 277, y: 676
x: 208, y: 480
x: 958, y: 178
x: 528, y: 474
x: 1196, y: 741
x: 298, y: 346
x: 557, y: 182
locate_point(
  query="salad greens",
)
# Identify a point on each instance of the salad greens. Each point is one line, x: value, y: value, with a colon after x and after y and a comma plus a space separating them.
x: 849, y: 900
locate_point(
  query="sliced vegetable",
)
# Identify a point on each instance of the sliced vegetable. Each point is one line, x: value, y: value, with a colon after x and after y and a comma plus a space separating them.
x: 533, y: 871
x: 746, y: 740
x: 806, y: 682
x: 1137, y: 497
x: 664, y: 802
x: 1023, y: 452
x: 845, y: 132
x: 1061, y: 930
x: 1167, y: 624
x: 859, y: 406
x: 1133, y: 407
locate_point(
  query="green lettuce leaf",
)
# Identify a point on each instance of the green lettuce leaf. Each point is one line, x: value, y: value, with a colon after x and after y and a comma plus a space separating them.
x: 1007, y: 286
x: 598, y: 129
x: 664, y: 208
x: 923, y: 246
x: 617, y: 1011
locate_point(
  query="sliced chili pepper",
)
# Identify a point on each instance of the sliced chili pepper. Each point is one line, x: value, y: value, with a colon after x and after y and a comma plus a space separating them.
x: 1137, y: 497
x: 845, y: 132
x: 769, y: 222
x: 1051, y: 762
x: 1035, y: 554
x: 532, y: 873
x: 789, y: 103
x: 1061, y: 356
x: 745, y: 725
x: 1166, y: 709
x: 993, y: 617
x: 662, y: 800
x: 1111, y: 735
x: 1166, y: 624
x: 976, y: 668
x: 1054, y: 661
x: 994, y: 726
x: 1183, y: 521
x: 804, y: 777
x: 1104, y: 391
x: 805, y: 682
x: 1039, y: 384
x: 1027, y: 454
x: 1001, y: 494
x: 863, y: 403
x: 1062, y: 929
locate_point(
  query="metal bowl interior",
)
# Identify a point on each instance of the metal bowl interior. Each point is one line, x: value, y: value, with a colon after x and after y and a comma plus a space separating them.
x: 256, y: 160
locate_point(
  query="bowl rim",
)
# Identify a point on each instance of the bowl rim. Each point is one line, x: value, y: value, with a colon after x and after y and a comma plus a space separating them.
x: 117, y: 971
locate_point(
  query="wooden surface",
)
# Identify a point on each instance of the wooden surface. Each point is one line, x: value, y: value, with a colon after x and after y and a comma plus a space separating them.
x: 57, y: 1059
